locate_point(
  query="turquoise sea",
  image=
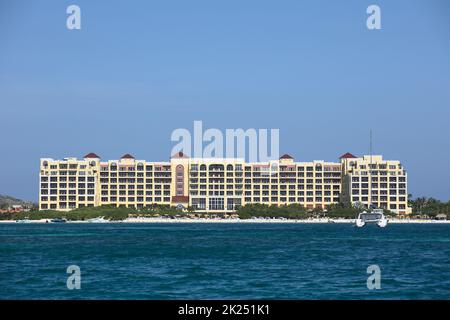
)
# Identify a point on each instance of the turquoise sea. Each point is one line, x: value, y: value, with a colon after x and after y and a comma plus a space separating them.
x: 224, y: 261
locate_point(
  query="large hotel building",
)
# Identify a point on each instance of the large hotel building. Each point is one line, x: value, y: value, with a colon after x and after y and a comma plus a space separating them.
x: 219, y: 185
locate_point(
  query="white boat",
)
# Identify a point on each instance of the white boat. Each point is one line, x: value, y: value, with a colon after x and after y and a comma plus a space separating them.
x: 24, y: 221
x: 98, y: 220
x: 375, y: 216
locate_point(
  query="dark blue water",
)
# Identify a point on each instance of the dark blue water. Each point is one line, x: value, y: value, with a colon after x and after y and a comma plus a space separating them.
x: 224, y: 261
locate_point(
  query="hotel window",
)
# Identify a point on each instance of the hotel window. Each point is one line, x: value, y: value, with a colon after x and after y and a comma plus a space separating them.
x: 199, y: 203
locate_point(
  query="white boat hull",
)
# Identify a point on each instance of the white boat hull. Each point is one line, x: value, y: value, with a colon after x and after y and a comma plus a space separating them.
x: 374, y: 217
x: 360, y: 223
x: 382, y: 223
x: 98, y: 220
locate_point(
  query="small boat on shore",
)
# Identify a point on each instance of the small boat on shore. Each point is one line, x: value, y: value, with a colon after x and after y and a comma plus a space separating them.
x: 375, y: 216
x: 23, y: 221
x: 98, y: 220
x: 58, y: 220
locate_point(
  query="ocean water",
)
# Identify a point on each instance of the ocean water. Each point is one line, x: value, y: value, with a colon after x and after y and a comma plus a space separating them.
x: 224, y: 261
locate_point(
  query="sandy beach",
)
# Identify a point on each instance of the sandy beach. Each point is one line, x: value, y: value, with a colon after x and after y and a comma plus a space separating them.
x: 200, y: 220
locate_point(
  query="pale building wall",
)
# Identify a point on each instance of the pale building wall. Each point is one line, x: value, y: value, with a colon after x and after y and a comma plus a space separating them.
x: 219, y: 185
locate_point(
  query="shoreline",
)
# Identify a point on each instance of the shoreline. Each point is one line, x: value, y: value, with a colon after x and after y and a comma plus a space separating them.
x: 211, y: 220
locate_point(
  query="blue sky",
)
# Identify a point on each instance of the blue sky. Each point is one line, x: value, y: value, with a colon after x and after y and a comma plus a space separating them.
x: 137, y: 70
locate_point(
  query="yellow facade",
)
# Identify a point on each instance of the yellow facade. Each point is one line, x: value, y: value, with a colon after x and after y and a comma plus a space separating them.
x: 372, y: 180
x: 69, y: 183
x: 209, y: 185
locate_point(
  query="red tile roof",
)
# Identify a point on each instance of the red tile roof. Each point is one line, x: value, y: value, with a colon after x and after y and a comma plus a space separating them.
x: 347, y: 155
x: 91, y: 155
x: 127, y: 156
x: 286, y: 156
